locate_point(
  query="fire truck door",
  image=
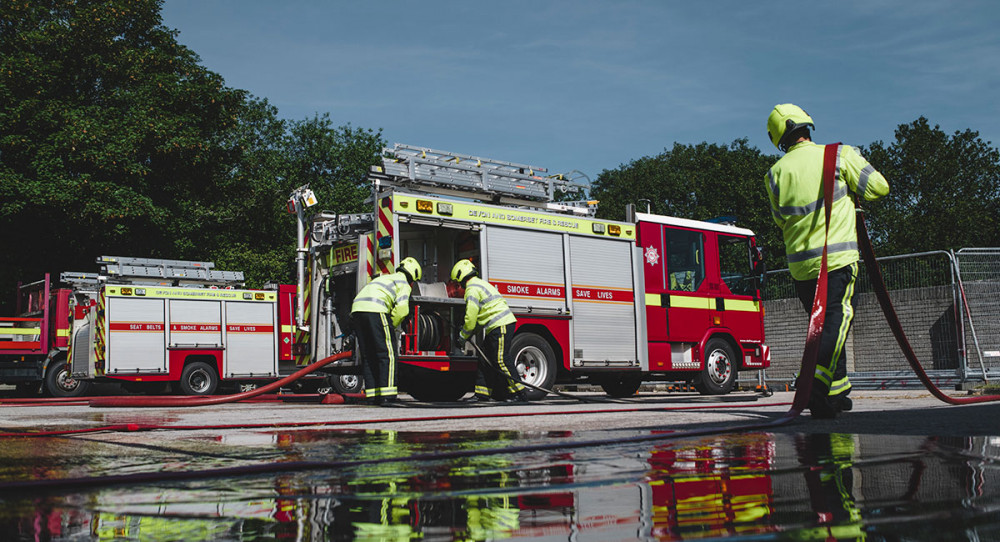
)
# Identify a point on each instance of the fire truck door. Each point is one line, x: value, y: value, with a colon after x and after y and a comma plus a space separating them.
x: 136, y: 338
x: 251, y: 339
x: 603, y: 300
x: 689, y: 305
x: 526, y: 267
x: 195, y: 323
x: 741, y: 308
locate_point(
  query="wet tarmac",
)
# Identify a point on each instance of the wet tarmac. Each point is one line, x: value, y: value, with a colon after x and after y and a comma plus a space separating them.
x: 552, y: 471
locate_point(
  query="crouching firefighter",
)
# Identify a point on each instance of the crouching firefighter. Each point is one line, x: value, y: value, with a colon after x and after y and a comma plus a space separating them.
x: 486, y: 308
x: 383, y: 301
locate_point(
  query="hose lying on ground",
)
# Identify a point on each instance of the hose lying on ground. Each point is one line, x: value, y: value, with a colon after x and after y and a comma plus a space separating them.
x: 197, y: 400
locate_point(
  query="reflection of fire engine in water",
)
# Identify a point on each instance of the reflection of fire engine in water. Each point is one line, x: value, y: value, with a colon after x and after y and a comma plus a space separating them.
x: 614, y: 303
x: 710, y: 488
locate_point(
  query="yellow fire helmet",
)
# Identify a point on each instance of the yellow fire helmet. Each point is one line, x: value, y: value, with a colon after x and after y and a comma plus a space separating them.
x: 785, y: 119
x: 412, y: 268
x: 462, y: 270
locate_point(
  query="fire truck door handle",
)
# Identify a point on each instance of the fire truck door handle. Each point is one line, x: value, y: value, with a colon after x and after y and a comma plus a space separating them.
x: 664, y: 300
x: 720, y: 304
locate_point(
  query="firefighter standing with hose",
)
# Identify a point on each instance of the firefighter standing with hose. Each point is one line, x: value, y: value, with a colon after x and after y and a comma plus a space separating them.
x: 383, y: 301
x: 795, y: 188
x: 486, y: 308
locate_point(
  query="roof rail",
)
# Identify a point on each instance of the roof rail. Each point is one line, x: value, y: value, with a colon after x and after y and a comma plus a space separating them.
x: 440, y: 172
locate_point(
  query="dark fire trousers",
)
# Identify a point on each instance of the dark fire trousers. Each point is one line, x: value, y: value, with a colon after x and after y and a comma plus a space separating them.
x: 377, y: 345
x: 491, y: 383
x: 831, y: 364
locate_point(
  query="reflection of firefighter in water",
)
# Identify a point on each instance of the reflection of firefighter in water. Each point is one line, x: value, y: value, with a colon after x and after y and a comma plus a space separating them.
x: 829, y: 460
x: 389, y: 503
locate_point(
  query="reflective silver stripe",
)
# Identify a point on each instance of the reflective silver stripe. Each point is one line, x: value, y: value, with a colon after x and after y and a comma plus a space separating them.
x: 817, y: 252
x: 401, y: 297
x: 479, y: 286
x: 499, y: 317
x: 774, y: 185
x: 375, y: 300
x: 810, y: 208
x: 492, y: 298
x: 863, y: 179
x: 840, y: 386
x: 777, y: 215
x: 475, y: 301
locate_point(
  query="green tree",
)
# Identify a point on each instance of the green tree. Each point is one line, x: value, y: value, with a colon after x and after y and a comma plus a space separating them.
x: 944, y: 190
x: 700, y: 182
x: 333, y: 161
x: 113, y: 139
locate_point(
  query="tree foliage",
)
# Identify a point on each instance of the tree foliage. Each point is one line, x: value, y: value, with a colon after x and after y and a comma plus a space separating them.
x: 944, y: 190
x: 333, y: 161
x: 699, y: 182
x: 115, y: 140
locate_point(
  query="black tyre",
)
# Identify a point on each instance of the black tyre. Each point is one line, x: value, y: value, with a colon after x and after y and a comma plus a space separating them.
x: 348, y: 383
x: 536, y: 363
x: 59, y: 381
x: 718, y: 376
x: 437, y: 387
x: 621, y: 385
x: 198, y: 378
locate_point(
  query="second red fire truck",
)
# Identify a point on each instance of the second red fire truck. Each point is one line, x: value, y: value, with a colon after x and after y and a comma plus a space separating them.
x: 613, y: 303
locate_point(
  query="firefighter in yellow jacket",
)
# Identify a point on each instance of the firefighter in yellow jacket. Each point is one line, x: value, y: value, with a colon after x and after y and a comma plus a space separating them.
x: 383, y: 301
x: 795, y: 188
x: 486, y: 308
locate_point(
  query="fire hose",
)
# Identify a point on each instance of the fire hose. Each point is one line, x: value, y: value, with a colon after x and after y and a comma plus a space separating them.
x: 218, y: 399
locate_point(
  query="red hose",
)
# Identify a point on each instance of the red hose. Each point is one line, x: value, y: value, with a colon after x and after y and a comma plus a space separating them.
x: 882, y: 294
x: 197, y: 400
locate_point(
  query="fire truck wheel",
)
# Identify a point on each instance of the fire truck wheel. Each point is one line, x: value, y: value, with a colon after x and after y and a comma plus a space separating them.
x: 622, y: 385
x: 718, y: 376
x: 347, y: 383
x: 536, y: 363
x: 198, y: 378
x: 59, y: 381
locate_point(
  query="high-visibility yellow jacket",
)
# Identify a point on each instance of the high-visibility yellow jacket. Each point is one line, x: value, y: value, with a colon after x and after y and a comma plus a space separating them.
x: 484, y: 306
x: 795, y: 187
x: 389, y: 294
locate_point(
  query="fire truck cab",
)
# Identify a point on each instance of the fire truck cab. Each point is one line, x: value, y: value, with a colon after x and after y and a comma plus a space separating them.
x: 614, y: 303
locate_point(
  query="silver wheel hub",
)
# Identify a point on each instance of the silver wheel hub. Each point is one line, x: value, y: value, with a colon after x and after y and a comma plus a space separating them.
x: 199, y: 381
x: 531, y: 365
x: 66, y: 381
x: 719, y: 367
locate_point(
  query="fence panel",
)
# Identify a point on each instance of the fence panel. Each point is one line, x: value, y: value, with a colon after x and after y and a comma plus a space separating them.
x: 921, y: 287
x: 979, y: 270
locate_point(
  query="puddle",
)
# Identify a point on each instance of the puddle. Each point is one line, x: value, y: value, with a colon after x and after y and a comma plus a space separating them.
x: 752, y: 486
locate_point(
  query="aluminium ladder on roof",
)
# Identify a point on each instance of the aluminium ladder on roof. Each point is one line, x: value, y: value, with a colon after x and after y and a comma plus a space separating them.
x: 447, y: 172
x: 157, y: 271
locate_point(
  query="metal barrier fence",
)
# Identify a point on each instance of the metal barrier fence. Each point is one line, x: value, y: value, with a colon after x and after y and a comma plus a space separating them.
x: 947, y: 302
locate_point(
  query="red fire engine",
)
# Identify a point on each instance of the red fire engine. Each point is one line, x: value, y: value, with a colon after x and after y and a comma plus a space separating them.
x: 613, y: 303
x: 34, y: 343
x: 183, y: 324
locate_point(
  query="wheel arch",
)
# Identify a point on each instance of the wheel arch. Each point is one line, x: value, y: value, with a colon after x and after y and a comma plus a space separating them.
x: 730, y: 340
x: 549, y: 337
x: 212, y: 360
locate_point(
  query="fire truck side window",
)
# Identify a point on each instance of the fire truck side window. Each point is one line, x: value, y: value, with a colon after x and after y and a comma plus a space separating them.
x: 685, y: 259
x: 735, y: 265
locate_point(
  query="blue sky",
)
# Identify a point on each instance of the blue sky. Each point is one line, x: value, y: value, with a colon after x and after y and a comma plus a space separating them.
x: 590, y: 85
